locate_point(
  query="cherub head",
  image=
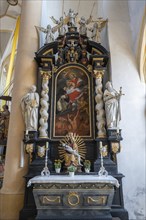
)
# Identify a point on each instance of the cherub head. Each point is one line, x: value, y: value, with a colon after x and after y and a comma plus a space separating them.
x: 48, y: 27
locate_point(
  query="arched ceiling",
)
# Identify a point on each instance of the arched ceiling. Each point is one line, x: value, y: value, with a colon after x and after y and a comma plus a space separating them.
x: 8, y: 16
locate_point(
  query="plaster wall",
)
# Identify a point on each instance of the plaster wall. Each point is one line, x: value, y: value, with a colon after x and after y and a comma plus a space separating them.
x: 131, y: 160
x: 136, y: 13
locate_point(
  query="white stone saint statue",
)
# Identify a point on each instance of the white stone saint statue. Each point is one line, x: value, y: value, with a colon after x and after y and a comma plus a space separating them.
x: 29, y: 105
x: 112, y: 106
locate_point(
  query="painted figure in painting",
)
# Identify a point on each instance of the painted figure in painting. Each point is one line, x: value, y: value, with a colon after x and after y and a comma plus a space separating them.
x: 72, y: 103
x: 73, y: 90
x: 112, y: 105
x: 29, y: 105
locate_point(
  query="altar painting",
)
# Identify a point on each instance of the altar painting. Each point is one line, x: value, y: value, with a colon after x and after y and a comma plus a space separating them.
x: 72, y: 102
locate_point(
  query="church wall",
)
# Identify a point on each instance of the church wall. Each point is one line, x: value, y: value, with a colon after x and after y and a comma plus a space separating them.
x: 131, y: 160
x: 136, y: 13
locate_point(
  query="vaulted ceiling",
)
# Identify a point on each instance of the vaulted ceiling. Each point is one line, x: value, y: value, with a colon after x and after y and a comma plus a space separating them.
x: 9, y: 12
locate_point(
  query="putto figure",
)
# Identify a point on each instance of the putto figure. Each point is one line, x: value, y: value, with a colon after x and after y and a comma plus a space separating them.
x: 60, y: 25
x: 49, y: 33
x: 29, y: 105
x: 112, y: 105
x: 72, y: 16
x: 83, y: 22
x: 97, y: 28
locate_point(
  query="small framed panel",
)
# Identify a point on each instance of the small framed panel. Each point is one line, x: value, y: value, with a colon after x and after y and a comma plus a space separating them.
x: 72, y: 103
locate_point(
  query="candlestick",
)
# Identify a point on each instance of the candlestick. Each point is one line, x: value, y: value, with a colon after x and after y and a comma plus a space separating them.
x: 22, y: 155
x: 102, y: 171
x: 100, y: 144
x: 45, y: 171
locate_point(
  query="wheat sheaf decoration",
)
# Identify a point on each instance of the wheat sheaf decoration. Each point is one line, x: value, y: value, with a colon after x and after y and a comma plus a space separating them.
x: 75, y: 142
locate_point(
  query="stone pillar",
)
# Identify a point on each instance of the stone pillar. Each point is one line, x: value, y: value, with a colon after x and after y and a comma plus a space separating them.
x: 11, y: 195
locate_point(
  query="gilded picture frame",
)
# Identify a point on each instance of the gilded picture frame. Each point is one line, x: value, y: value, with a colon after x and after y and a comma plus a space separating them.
x: 72, y: 102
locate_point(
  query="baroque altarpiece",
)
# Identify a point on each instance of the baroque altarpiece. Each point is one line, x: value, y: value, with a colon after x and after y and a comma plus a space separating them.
x: 72, y: 73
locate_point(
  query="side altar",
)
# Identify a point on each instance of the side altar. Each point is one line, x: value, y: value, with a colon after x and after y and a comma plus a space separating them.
x: 71, y: 122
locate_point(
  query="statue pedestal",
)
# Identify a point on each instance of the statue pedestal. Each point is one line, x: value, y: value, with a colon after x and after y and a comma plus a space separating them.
x: 78, y: 197
x: 114, y: 134
x: 31, y: 137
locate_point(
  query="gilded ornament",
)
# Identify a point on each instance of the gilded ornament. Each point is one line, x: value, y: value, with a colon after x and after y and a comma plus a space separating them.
x: 47, y: 200
x: 89, y: 67
x: 115, y: 147
x: 41, y: 151
x: 100, y: 200
x: 98, y: 74
x: 46, y: 74
x: 29, y: 150
x: 54, y: 69
x: 73, y: 199
x: 104, y: 151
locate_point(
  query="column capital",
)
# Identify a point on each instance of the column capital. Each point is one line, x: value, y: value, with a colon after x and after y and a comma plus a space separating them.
x: 98, y: 73
x: 46, y: 74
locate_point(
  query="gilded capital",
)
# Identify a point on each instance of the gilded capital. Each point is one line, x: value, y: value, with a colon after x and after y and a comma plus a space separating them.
x: 98, y: 73
x: 46, y: 74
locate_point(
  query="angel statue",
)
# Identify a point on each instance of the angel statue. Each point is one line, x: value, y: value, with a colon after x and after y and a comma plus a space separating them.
x: 83, y: 22
x: 49, y: 33
x: 60, y: 25
x: 97, y: 28
x: 71, y: 18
